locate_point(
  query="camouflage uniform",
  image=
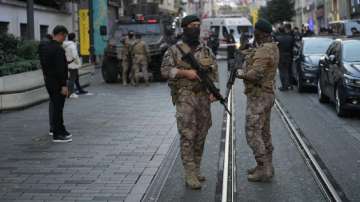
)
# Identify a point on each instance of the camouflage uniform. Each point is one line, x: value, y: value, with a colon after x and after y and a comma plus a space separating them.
x: 192, y: 103
x: 259, y: 79
x: 140, y: 59
x: 125, y: 59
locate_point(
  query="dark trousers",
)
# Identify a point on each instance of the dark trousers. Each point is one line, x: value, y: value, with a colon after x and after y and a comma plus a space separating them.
x: 51, y: 114
x: 74, y: 79
x: 56, y: 107
x: 285, y: 70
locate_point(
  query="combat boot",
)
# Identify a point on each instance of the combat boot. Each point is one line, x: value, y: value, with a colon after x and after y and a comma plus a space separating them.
x: 191, y: 179
x: 200, y: 177
x: 252, y: 170
x: 261, y: 174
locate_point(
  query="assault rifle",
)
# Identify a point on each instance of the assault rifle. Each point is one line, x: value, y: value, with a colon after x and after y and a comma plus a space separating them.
x: 204, y: 78
x: 231, y: 80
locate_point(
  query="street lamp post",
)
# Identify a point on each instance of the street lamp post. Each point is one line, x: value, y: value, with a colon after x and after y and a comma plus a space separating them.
x: 30, y: 20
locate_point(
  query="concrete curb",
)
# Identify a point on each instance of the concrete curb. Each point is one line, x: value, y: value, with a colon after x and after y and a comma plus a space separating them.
x: 26, y: 89
x: 169, y: 150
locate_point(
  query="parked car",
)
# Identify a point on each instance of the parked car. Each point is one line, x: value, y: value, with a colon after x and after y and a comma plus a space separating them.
x: 339, y: 79
x: 305, y: 67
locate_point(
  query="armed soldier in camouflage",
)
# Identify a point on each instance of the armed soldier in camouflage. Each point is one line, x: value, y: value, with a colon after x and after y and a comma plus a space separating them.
x: 259, y: 80
x: 129, y: 41
x: 190, y: 97
x: 140, y: 60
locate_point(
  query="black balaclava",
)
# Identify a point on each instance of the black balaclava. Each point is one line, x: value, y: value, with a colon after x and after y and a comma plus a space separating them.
x: 192, y: 36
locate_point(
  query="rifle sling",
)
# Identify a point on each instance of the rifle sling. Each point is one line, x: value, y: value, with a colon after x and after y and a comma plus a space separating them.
x: 181, y: 50
x: 183, y: 53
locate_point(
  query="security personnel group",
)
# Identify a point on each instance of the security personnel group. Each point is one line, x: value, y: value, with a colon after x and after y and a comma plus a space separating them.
x: 190, y: 95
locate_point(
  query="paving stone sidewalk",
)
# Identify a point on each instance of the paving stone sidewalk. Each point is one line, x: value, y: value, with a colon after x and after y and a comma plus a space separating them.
x: 120, y: 137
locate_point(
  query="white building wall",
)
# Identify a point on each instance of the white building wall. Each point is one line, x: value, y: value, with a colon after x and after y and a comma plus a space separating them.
x: 168, y: 5
x: 16, y: 15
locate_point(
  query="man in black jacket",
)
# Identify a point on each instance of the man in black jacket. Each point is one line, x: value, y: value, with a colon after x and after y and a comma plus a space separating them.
x: 213, y: 42
x: 55, y: 70
x: 286, y: 43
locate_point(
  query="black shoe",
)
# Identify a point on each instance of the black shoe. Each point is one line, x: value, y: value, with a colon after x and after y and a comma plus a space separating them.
x: 67, y: 134
x: 81, y: 92
x: 61, y: 139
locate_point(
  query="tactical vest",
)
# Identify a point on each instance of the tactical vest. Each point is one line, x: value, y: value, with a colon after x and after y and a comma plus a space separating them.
x: 267, y: 82
x: 126, y: 47
x: 139, y: 48
x: 183, y: 86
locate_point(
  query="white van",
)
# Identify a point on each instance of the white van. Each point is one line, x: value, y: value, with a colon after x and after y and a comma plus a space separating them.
x: 223, y: 25
x: 343, y: 27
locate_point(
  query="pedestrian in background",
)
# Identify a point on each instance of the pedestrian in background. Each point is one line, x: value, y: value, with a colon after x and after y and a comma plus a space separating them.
x: 213, y: 42
x: 231, y: 48
x: 126, y: 57
x: 323, y: 32
x: 44, y: 42
x: 306, y: 31
x: 259, y: 79
x: 288, y: 31
x: 74, y: 64
x: 55, y: 70
x: 286, y: 44
x: 140, y: 60
x: 297, y: 40
x: 190, y: 97
x: 296, y: 34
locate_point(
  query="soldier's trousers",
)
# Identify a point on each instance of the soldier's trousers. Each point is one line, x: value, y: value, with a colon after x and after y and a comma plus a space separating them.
x: 125, y: 70
x: 257, y: 126
x: 140, y: 64
x: 193, y: 120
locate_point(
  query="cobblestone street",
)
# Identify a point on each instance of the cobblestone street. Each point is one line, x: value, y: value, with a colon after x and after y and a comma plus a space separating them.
x: 120, y: 137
